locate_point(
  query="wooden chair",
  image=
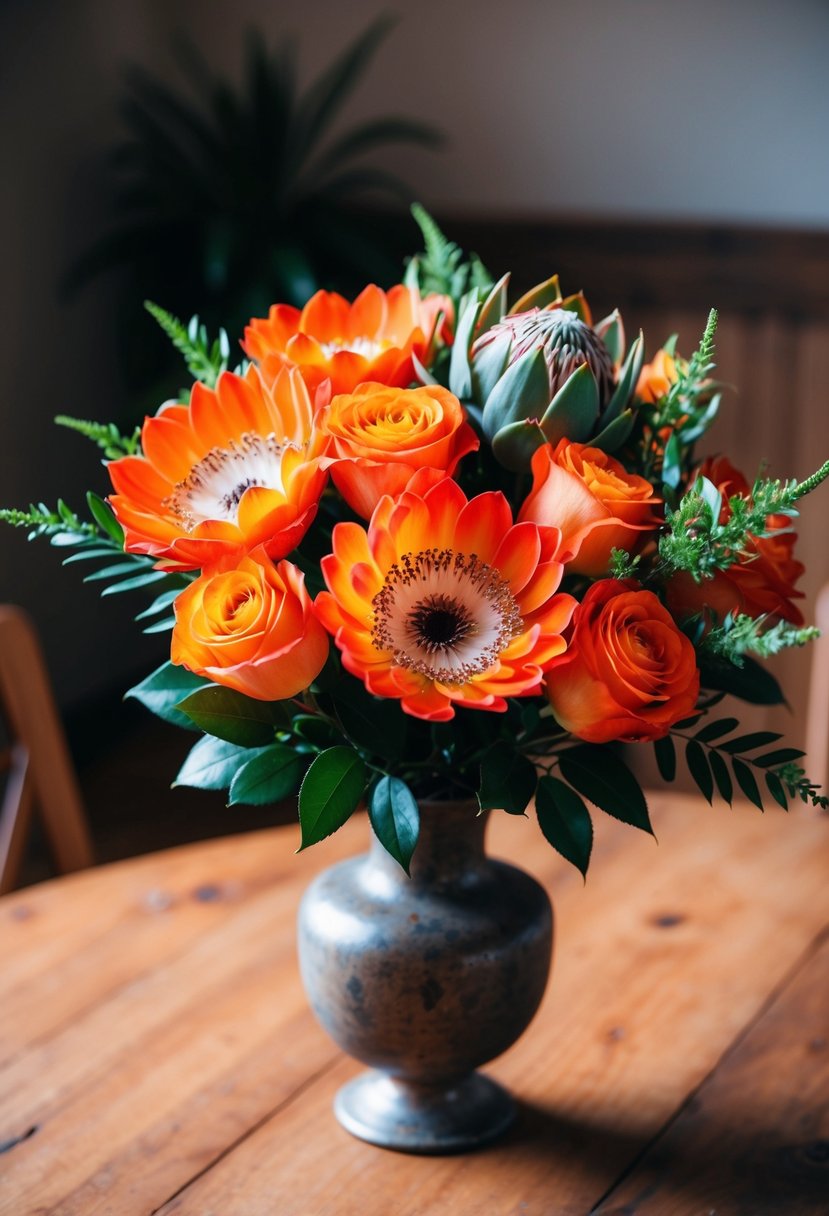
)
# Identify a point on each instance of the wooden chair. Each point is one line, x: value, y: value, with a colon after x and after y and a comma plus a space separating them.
x: 817, y: 726
x: 37, y: 760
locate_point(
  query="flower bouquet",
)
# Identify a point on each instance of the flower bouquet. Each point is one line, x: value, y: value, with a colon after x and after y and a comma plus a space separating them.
x: 433, y: 547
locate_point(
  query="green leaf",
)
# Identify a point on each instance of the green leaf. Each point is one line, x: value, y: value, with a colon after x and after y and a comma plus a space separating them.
x: 460, y: 373
x: 162, y: 601
x: 514, y: 445
x: 268, y: 776
x: 330, y: 792
x: 372, y: 723
x: 628, y: 377
x: 395, y: 818
x: 104, y: 518
x: 665, y: 757
x: 230, y: 715
x: 565, y: 821
x: 212, y: 764
x: 615, y: 433
x: 508, y: 780
x: 751, y: 682
x: 573, y: 411
x: 746, y: 782
x: 713, y: 730
x: 114, y: 571
x: 722, y: 776
x: 161, y: 692
x: 604, y: 779
x: 132, y: 584
x: 783, y: 755
x: 777, y: 790
x: 699, y: 770
x: 672, y: 462
x: 747, y: 743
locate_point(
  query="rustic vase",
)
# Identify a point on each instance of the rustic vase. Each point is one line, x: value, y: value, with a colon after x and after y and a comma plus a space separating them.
x: 425, y: 978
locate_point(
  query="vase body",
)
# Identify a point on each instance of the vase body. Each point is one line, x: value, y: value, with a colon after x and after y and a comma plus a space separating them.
x: 425, y: 978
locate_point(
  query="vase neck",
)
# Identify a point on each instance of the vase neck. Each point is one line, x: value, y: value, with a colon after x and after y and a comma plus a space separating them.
x: 450, y: 847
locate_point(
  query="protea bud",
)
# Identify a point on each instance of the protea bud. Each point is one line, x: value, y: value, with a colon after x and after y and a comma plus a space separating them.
x: 544, y: 372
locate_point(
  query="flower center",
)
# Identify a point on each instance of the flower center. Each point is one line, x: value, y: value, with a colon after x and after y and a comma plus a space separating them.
x: 214, y: 487
x: 366, y: 347
x: 445, y: 615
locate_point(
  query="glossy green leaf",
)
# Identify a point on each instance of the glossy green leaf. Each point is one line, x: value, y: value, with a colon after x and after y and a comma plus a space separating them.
x: 601, y: 777
x: 268, y: 776
x: 565, y: 821
x: 615, y: 433
x: 132, y: 584
x: 230, y: 715
x: 508, y: 780
x: 329, y: 794
x: 395, y: 818
x: 375, y: 724
x: 212, y: 764
x: 699, y: 769
x: 161, y: 692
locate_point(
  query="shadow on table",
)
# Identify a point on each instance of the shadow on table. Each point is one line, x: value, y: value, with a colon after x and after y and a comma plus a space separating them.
x: 699, y: 1161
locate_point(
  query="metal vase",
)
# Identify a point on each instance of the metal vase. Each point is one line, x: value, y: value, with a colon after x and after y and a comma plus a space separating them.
x: 425, y: 978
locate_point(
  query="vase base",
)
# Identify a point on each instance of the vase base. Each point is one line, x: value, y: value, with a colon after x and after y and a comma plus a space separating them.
x: 413, y: 1118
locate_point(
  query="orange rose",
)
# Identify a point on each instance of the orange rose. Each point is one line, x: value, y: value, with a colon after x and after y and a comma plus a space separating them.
x: 374, y: 338
x: 251, y: 628
x: 593, y: 500
x: 760, y: 584
x: 628, y: 672
x: 656, y: 378
x: 381, y: 436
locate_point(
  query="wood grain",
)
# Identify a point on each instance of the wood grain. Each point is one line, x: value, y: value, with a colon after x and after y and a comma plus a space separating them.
x: 755, y: 1136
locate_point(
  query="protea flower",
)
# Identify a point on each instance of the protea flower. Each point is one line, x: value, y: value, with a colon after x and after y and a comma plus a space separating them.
x: 545, y: 372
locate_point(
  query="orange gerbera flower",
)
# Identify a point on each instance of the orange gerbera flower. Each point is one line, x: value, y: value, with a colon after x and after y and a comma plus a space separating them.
x: 443, y: 601
x: 372, y: 339
x: 239, y: 467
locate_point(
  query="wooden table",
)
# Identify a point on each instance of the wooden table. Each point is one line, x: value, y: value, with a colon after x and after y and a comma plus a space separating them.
x: 157, y: 1055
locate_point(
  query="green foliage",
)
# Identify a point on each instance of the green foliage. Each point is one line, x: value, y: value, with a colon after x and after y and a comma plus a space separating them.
x: 395, y: 818
x: 565, y: 821
x: 443, y: 267
x: 213, y: 763
x: 712, y: 762
x: 330, y: 793
x: 205, y: 360
x: 598, y: 774
x: 623, y: 564
x: 230, y: 715
x: 508, y: 780
x: 268, y: 776
x: 740, y: 634
x: 699, y: 541
x: 163, y: 689
x: 106, y: 435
